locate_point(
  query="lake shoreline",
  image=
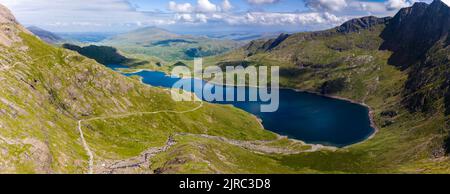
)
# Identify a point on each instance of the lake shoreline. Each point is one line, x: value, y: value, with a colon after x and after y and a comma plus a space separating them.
x: 371, y: 114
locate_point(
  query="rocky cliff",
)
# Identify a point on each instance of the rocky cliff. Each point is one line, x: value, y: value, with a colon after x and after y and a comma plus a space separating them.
x: 419, y: 38
x: 363, y: 23
x: 9, y: 27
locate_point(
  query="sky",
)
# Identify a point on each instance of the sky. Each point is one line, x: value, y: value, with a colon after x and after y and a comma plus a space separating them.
x: 197, y: 15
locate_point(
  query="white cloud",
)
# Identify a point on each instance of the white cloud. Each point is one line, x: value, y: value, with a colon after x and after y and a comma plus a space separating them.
x: 265, y: 18
x: 226, y: 5
x: 397, y: 4
x: 202, y: 6
x: 98, y: 15
x: 359, y: 8
x: 446, y: 2
x: 191, y: 18
x: 180, y: 8
x: 184, y: 17
x: 201, y: 18
x: 366, y: 6
x: 259, y: 2
x: 86, y: 15
x: 327, y: 5
x: 206, y: 6
x: 107, y: 15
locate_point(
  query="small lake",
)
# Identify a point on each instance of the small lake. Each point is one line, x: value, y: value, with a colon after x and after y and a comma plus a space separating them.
x: 304, y: 116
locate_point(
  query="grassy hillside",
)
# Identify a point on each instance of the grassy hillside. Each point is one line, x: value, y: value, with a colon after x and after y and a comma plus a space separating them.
x: 49, y: 93
x: 407, y: 142
x: 46, y: 91
x: 150, y: 43
x: 349, y: 64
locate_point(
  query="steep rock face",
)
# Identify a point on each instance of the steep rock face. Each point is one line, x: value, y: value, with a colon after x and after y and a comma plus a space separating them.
x: 275, y: 42
x: 418, y: 38
x: 265, y: 46
x: 6, y: 16
x: 363, y: 23
x: 8, y: 27
x: 429, y: 81
x: 414, y: 30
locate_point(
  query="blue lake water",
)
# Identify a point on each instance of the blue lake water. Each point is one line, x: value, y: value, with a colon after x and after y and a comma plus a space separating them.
x: 304, y: 116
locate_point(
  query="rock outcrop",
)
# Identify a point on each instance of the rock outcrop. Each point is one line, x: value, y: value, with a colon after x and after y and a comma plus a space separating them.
x: 414, y: 30
x: 9, y: 27
x: 363, y: 23
x: 419, y: 38
x: 6, y: 17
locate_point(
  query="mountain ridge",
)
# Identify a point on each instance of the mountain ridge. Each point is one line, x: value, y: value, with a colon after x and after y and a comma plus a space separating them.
x: 45, y: 35
x: 398, y: 66
x: 413, y: 35
x: 418, y: 37
x: 61, y: 112
x: 357, y: 24
x: 144, y: 34
x: 414, y: 30
x: 48, y: 91
x: 9, y: 27
x: 6, y: 16
x: 167, y: 46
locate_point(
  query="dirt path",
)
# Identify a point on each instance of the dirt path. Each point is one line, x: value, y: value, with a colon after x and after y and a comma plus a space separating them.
x: 141, y: 163
x: 144, y: 158
x: 16, y: 63
x: 80, y: 122
x: 5, y: 68
x: 86, y: 145
x: 261, y: 146
x: 133, y: 164
x: 9, y: 67
x: 86, y: 148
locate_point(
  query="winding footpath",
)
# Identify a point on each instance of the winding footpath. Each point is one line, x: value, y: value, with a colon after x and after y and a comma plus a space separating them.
x: 5, y: 68
x: 144, y: 157
x: 80, y: 122
x: 143, y: 160
x: 9, y: 67
x: 86, y: 145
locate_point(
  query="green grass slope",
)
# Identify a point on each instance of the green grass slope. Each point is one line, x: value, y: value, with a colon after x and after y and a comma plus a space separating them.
x: 46, y: 90
x: 133, y: 128
x: 154, y: 44
x: 350, y: 65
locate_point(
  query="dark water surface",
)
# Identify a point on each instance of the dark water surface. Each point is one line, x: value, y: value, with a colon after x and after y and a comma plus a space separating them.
x: 304, y: 116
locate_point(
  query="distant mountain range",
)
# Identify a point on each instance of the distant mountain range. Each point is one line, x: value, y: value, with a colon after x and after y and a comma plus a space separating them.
x: 243, y: 36
x: 45, y: 35
x: 417, y: 36
x: 145, y: 35
x: 398, y: 66
x: 169, y: 46
x: 162, y: 45
x: 102, y: 54
x: 85, y: 37
x: 61, y: 112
